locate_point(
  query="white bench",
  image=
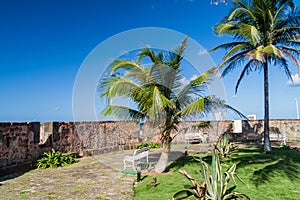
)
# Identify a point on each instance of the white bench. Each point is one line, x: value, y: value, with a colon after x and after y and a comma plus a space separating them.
x: 138, y: 154
x: 276, y: 137
x: 193, y: 138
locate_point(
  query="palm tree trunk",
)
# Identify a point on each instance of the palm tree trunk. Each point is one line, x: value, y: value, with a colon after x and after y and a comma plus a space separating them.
x: 267, y: 144
x: 164, y: 158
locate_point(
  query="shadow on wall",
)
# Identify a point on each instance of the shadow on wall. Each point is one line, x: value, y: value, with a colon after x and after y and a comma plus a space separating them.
x: 59, y: 136
x: 249, y: 132
x: 252, y: 131
x: 19, y: 147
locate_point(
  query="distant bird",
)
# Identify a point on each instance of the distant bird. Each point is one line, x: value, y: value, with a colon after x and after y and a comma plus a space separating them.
x: 153, y: 183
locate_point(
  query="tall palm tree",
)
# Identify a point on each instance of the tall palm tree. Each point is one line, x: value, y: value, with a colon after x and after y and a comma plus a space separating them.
x: 266, y: 34
x: 158, y: 93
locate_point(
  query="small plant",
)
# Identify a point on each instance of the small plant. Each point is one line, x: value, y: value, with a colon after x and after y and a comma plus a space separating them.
x: 215, y: 185
x: 55, y: 159
x: 205, y: 124
x: 224, y: 147
x: 285, y: 146
x: 152, y: 145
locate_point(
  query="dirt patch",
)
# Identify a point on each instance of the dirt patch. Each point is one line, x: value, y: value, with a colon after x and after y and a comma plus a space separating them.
x: 88, y: 179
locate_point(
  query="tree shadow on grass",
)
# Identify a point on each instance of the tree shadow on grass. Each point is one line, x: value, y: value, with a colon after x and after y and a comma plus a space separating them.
x: 183, y: 161
x: 263, y: 167
x: 283, y: 161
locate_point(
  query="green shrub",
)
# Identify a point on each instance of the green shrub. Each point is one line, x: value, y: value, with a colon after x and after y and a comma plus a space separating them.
x: 285, y: 146
x: 55, y: 159
x: 152, y: 145
x: 202, y: 125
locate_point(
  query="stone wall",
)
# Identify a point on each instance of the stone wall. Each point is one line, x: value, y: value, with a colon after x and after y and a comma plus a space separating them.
x: 19, y: 145
x: 89, y: 137
x: 253, y: 129
x: 23, y: 143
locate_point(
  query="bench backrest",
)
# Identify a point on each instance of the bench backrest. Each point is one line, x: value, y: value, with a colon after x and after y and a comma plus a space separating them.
x: 142, y: 151
x: 192, y: 135
x: 277, y: 136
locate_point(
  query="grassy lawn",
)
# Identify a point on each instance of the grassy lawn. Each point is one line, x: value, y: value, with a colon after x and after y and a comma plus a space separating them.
x: 268, y: 176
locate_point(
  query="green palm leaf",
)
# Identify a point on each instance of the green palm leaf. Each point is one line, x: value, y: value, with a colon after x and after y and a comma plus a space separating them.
x: 159, y: 102
x: 126, y: 65
x: 122, y: 112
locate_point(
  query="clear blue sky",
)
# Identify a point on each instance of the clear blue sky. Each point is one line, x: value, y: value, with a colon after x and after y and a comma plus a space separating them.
x: 44, y: 42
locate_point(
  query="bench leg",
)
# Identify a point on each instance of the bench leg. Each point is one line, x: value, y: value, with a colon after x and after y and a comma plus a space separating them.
x: 133, y: 165
x: 124, y: 167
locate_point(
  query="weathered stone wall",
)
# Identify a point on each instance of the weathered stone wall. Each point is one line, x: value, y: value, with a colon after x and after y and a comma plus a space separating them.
x: 24, y: 143
x: 101, y: 137
x: 215, y: 129
x: 90, y: 137
x: 18, y: 144
x: 253, y: 129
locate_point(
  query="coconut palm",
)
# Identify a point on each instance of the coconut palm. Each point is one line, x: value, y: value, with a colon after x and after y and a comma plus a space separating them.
x: 266, y: 34
x: 157, y: 93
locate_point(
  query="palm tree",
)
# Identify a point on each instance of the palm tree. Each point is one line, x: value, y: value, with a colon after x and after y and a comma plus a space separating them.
x: 266, y: 34
x: 158, y: 94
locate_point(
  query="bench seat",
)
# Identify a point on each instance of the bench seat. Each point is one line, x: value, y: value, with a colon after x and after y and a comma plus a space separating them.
x: 193, y: 138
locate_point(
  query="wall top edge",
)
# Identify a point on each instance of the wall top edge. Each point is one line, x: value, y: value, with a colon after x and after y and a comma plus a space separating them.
x: 114, y: 121
x: 19, y: 123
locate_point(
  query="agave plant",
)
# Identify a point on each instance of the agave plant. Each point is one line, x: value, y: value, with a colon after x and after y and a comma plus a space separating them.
x: 215, y: 185
x: 224, y: 147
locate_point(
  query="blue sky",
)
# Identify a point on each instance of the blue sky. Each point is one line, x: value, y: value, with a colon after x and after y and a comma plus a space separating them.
x: 44, y: 42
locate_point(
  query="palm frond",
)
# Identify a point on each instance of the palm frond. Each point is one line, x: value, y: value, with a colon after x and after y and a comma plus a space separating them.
x: 236, y: 60
x: 194, y: 88
x: 122, y: 87
x: 250, y: 32
x: 271, y: 51
x: 177, y: 55
x: 238, y: 12
x: 207, y: 105
x: 122, y: 112
x: 125, y: 65
x: 227, y: 28
x: 196, y: 107
x: 283, y: 64
x: 226, y: 46
x: 246, y: 70
x: 149, y: 52
x: 242, y: 47
x: 158, y: 103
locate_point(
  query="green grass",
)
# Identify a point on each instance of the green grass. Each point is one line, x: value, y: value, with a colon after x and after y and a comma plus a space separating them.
x: 268, y: 176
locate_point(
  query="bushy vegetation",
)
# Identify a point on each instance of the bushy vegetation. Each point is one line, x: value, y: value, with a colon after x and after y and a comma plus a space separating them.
x: 55, y: 159
x: 152, y: 145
